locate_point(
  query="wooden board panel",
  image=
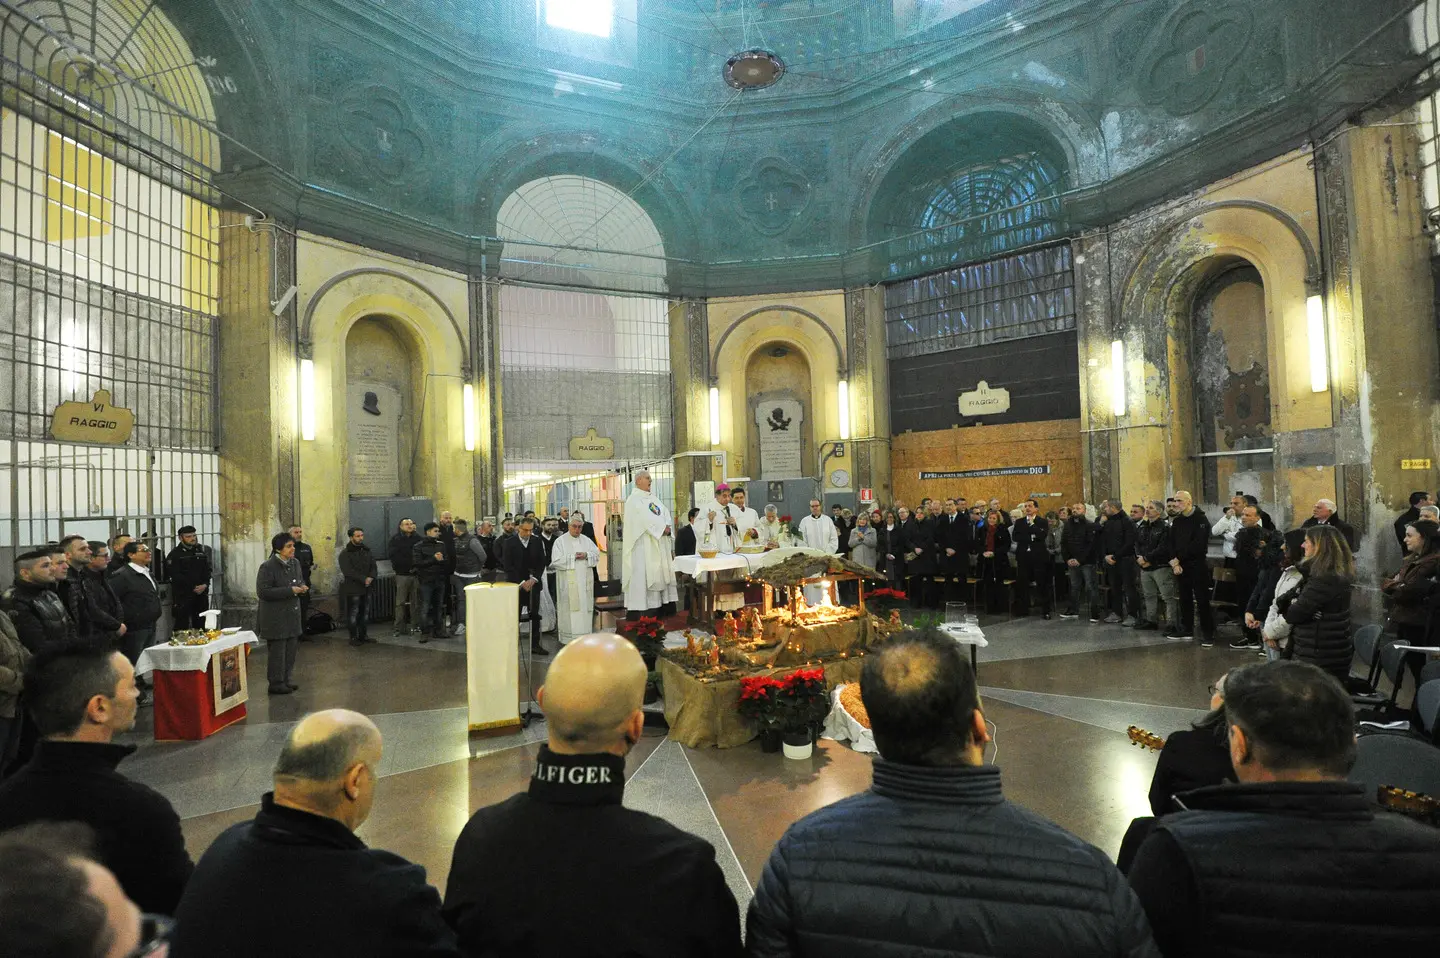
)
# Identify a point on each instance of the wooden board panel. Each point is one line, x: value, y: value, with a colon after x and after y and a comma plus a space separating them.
x: 1054, y: 443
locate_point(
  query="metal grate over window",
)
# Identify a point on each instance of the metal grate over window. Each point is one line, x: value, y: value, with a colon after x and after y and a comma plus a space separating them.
x: 574, y: 361
x: 1013, y: 297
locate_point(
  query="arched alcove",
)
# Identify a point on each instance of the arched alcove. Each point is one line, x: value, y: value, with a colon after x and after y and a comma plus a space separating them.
x: 779, y: 400
x: 1229, y: 365
x: 382, y: 371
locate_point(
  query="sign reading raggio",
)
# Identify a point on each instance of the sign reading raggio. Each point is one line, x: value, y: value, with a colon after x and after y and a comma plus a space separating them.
x: 986, y: 473
x: 592, y: 446
x: 93, y: 421
x: 984, y: 401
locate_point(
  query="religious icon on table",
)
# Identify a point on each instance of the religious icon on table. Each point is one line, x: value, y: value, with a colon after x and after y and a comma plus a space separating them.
x: 231, y: 686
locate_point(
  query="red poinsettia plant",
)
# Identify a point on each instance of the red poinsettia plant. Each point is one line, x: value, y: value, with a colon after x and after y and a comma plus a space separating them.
x: 760, y: 700
x: 647, y: 632
x: 886, y: 599
x: 803, y: 700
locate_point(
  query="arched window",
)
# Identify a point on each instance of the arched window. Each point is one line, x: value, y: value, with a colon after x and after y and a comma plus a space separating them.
x: 123, y: 68
x: 576, y: 231
x: 973, y: 189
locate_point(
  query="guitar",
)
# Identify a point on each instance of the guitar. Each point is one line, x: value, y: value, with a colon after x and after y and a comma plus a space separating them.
x: 1414, y: 805
x: 1144, y: 739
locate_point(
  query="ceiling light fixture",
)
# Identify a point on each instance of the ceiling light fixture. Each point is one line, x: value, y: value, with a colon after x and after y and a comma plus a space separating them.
x: 753, y: 70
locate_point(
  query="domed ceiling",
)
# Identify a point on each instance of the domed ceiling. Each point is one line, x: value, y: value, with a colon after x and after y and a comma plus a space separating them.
x: 896, y: 136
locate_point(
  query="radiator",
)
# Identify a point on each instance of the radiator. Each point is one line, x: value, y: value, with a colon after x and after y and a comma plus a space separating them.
x: 382, y: 599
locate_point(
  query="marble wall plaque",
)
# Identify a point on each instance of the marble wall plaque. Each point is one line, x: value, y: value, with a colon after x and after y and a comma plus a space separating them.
x: 372, y: 412
x: 779, y: 423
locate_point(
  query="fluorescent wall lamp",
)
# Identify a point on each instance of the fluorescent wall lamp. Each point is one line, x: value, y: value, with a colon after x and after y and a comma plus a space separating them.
x: 472, y: 418
x: 1315, y: 333
x: 844, y: 409
x: 714, y: 415
x: 307, y: 399
x: 1117, y: 377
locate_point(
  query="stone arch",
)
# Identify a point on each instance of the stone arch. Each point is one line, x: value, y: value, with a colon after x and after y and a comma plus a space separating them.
x: 403, y: 281
x: 720, y: 344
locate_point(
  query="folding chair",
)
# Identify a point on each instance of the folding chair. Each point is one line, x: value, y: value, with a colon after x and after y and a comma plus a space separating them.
x: 1367, y: 649
x: 605, y: 598
x: 1398, y: 761
x: 1427, y: 706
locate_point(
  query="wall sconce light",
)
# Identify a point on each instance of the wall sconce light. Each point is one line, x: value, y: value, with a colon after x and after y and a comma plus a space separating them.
x: 1315, y: 333
x: 844, y: 409
x: 714, y: 415
x: 472, y: 418
x: 1117, y: 377
x: 307, y: 399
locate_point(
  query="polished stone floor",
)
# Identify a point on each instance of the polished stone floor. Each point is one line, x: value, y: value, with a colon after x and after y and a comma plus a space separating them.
x: 1060, y: 695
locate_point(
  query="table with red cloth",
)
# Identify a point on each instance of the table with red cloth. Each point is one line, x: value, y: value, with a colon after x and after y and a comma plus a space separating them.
x: 185, y: 688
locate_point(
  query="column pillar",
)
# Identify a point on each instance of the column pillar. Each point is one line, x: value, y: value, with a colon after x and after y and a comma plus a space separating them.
x: 690, y: 397
x: 259, y: 403
x: 868, y: 373
x: 489, y: 457
x: 1382, y: 339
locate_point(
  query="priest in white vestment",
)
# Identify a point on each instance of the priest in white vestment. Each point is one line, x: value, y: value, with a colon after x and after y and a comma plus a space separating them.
x: 747, y: 520
x: 649, y: 576
x: 771, y: 528
x: 718, y: 523
x: 571, y: 559
x: 817, y: 531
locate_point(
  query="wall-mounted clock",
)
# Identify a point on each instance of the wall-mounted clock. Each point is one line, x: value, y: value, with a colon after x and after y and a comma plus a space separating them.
x: 839, y: 479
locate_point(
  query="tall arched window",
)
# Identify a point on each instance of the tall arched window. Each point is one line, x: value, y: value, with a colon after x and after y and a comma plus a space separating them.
x: 585, y: 339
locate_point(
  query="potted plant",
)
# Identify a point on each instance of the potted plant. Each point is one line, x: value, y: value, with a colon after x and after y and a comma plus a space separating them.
x: 885, y: 600
x: 803, y: 704
x: 652, y: 688
x: 786, y: 535
x: 760, y: 703
x: 648, y: 634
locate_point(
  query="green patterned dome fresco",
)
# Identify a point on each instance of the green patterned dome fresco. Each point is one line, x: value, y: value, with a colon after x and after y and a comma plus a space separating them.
x: 903, y: 136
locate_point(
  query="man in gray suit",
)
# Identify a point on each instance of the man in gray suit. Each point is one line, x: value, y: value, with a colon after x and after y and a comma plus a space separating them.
x: 279, y: 585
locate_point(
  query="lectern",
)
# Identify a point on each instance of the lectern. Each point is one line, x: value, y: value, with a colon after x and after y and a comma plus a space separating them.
x: 492, y: 662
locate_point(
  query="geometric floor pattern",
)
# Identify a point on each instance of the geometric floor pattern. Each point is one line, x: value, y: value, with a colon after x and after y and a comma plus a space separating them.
x: 1060, y: 695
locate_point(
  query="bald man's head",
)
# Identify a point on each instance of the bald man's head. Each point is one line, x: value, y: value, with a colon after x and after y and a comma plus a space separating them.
x: 328, y: 764
x: 592, y: 696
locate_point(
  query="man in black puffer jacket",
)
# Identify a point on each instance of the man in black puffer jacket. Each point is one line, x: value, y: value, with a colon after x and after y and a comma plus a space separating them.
x: 1294, y: 860
x: 932, y: 859
x: 32, y: 603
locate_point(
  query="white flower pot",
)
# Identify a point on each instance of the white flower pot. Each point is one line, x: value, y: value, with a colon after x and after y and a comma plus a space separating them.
x: 803, y: 750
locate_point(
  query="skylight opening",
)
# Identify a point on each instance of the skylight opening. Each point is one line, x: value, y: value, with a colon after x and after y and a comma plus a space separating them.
x: 593, y: 17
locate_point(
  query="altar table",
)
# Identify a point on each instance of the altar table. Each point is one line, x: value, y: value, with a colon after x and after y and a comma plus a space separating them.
x: 184, y: 688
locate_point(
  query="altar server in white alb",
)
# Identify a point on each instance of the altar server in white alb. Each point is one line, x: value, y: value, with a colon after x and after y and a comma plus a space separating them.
x: 571, y: 559
x: 818, y: 531
x: 719, y: 523
x: 747, y: 520
x: 648, y: 573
